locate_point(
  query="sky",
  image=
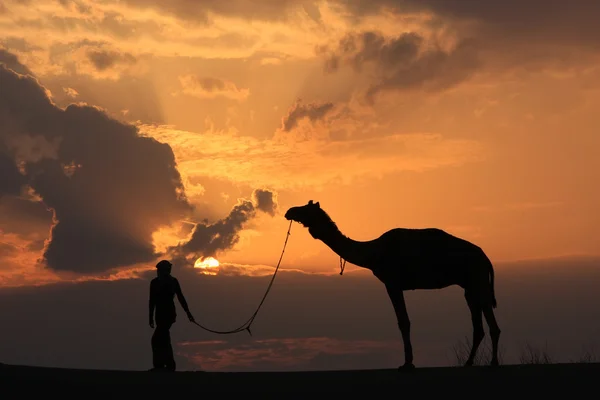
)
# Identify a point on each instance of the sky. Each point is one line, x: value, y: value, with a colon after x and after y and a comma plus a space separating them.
x: 137, y: 130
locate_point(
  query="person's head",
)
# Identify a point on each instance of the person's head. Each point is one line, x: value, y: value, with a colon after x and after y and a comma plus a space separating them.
x: 163, y: 268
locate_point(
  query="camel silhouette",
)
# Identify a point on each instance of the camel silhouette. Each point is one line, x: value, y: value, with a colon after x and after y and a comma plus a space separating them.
x: 408, y: 259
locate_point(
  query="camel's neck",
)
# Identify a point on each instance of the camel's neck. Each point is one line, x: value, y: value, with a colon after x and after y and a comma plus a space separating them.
x: 352, y: 251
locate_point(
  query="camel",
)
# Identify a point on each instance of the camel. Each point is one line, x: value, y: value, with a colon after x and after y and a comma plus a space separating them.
x: 409, y: 259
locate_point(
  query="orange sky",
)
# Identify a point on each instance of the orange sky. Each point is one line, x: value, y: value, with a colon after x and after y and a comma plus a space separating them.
x: 404, y: 115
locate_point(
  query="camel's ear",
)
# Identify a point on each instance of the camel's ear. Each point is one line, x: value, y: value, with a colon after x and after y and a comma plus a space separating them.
x: 317, y: 204
x: 310, y: 202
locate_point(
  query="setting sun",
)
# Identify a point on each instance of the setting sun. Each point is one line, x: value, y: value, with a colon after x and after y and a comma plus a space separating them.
x: 208, y: 265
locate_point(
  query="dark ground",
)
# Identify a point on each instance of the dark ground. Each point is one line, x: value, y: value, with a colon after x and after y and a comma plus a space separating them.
x: 573, y: 380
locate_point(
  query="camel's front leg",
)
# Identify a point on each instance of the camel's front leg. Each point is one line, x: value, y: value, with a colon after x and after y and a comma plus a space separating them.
x: 397, y: 298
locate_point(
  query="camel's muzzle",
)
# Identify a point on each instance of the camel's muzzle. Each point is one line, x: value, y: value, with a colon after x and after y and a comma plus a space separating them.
x: 292, y: 214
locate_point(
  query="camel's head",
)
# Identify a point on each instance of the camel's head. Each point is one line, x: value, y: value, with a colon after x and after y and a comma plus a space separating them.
x: 307, y: 215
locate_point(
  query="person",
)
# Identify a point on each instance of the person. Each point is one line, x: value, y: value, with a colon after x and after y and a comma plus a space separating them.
x: 163, y: 290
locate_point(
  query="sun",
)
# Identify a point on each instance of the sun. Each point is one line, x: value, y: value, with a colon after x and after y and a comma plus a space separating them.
x: 207, y: 266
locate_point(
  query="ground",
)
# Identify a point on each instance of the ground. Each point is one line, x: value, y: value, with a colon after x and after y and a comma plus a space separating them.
x: 508, y: 380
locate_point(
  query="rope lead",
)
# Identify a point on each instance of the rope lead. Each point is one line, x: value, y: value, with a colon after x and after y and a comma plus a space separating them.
x: 342, y: 266
x: 246, y: 325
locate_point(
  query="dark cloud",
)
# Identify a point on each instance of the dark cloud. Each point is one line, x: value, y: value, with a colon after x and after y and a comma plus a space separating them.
x: 403, y: 62
x: 491, y: 37
x: 11, y: 179
x: 312, y: 111
x: 12, y: 62
x: 265, y: 201
x: 538, y: 21
x: 108, y: 187
x: 103, y: 59
x: 208, y: 239
x: 27, y: 218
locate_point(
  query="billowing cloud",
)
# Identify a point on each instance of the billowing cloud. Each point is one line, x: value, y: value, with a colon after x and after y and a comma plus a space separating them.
x: 404, y: 62
x: 556, y: 21
x: 108, y: 187
x: 208, y: 239
x: 265, y: 201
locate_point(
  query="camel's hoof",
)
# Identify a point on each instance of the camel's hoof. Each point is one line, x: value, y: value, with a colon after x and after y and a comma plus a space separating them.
x: 408, y: 367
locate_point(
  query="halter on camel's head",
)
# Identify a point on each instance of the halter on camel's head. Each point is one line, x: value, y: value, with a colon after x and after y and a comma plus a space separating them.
x: 311, y: 216
x: 319, y: 223
x: 303, y: 214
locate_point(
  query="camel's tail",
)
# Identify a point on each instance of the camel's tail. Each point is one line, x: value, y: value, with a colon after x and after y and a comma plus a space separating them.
x: 491, y: 266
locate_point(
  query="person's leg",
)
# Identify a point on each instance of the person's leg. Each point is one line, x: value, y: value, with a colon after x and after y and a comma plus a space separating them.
x: 168, y: 350
x: 157, y: 351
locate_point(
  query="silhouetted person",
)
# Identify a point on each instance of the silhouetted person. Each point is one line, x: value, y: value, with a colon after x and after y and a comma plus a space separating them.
x: 163, y: 290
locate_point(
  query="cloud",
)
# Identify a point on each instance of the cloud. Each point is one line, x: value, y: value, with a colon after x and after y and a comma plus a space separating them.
x: 403, y: 62
x: 511, y: 33
x: 286, y: 163
x: 265, y: 201
x: 201, y: 11
x: 70, y: 92
x: 108, y: 187
x: 11, y: 179
x: 137, y: 29
x: 291, y: 354
x: 536, y: 19
x: 24, y: 216
x: 312, y: 111
x: 209, y: 239
x: 102, y: 59
x: 11, y: 61
x: 208, y: 88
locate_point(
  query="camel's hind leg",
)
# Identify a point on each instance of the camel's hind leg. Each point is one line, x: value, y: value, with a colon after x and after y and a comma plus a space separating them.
x: 488, y: 312
x: 474, y: 303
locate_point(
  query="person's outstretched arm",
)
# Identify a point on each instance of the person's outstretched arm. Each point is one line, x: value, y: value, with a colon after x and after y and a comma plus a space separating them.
x: 182, y: 300
x: 152, y: 304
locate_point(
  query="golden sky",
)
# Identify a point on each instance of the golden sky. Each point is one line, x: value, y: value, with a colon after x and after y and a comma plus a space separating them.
x: 479, y: 120
x: 136, y: 130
